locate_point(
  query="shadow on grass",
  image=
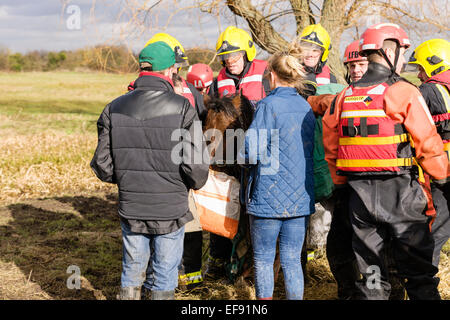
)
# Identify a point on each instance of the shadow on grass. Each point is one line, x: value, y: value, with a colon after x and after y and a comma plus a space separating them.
x: 44, y: 240
x: 47, y: 236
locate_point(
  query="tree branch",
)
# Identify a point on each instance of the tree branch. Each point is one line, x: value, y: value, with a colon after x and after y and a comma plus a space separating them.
x: 390, y: 6
x: 303, y: 14
x: 262, y: 30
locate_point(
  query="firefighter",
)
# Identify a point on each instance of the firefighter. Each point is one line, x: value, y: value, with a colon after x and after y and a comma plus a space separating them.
x: 374, y: 133
x: 201, y: 76
x: 433, y: 61
x: 242, y: 73
x: 316, y: 45
x: 340, y: 255
x: 355, y: 64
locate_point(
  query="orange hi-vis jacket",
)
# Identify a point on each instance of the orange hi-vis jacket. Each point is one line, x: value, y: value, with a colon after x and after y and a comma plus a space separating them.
x: 250, y: 84
x: 320, y: 104
x: 369, y: 141
x: 402, y: 105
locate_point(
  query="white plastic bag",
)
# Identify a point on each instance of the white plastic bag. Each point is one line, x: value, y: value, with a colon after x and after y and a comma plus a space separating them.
x: 218, y: 204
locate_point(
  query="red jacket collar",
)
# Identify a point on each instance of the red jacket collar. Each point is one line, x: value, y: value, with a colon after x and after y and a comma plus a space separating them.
x: 155, y: 74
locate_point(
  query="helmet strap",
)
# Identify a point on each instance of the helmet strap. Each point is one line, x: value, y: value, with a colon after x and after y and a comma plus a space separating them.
x: 393, y: 67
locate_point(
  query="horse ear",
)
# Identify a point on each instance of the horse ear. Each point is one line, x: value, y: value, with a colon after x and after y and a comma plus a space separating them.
x: 236, y: 100
x: 206, y: 101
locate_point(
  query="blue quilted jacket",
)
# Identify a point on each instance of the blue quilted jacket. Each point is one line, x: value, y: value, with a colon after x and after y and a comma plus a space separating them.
x: 278, y: 149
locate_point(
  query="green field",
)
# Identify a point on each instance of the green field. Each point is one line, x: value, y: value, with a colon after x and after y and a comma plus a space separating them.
x: 54, y: 212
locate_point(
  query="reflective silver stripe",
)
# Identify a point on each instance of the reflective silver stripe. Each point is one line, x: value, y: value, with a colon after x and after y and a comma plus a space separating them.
x: 253, y: 78
x: 369, y: 46
x: 425, y: 108
x: 186, y: 90
x: 377, y: 90
x: 363, y: 113
x: 224, y: 83
x: 322, y: 80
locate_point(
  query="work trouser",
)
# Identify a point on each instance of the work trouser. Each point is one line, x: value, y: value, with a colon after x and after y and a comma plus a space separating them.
x: 190, y: 273
x: 440, y: 229
x: 220, y: 247
x: 392, y: 208
x: 340, y: 255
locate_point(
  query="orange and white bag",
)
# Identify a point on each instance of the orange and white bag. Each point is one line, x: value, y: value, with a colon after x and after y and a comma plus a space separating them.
x: 218, y: 204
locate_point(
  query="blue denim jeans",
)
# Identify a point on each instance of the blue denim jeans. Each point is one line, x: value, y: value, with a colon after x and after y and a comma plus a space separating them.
x: 163, y: 252
x: 264, y: 234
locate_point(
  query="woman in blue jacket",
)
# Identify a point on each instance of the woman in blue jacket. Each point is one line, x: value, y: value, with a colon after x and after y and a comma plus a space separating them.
x: 278, y: 150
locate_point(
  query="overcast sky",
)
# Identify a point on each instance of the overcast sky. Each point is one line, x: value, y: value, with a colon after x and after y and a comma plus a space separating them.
x: 27, y: 25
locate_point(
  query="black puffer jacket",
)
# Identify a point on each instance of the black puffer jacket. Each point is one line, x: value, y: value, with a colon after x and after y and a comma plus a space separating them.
x: 135, y: 147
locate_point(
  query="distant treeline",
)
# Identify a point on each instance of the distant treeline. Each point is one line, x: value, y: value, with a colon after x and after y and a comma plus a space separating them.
x: 115, y: 59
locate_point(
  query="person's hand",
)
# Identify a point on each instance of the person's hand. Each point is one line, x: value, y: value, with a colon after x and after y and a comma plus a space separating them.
x: 310, y: 89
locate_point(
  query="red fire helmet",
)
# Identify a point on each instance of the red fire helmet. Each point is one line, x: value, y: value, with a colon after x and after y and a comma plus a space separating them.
x: 352, y: 53
x: 373, y: 37
x: 200, y: 75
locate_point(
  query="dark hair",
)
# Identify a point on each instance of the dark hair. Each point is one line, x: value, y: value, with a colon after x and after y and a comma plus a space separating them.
x: 146, y: 66
x: 176, y: 79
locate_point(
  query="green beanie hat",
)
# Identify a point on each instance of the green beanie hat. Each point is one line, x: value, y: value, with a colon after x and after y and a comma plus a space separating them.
x: 159, y: 55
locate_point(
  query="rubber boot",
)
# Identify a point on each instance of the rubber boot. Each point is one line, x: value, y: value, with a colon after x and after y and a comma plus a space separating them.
x: 129, y: 293
x: 190, y: 271
x: 163, y: 295
x: 215, y: 269
x: 346, y: 276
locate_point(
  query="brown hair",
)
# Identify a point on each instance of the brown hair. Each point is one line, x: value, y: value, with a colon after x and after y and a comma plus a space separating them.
x: 288, y: 66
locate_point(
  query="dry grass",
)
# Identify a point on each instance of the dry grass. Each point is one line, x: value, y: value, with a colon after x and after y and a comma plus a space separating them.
x: 55, y: 213
x: 47, y: 164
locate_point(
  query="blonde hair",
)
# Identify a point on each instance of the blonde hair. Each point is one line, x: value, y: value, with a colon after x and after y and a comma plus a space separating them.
x: 287, y: 65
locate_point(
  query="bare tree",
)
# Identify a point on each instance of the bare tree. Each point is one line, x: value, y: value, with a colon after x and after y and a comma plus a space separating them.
x: 274, y: 23
x: 266, y: 18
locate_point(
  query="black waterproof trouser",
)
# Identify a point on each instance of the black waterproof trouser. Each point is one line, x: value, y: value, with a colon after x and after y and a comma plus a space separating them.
x: 392, y: 209
x: 440, y: 229
x: 220, y: 247
x: 191, y: 265
x: 340, y: 255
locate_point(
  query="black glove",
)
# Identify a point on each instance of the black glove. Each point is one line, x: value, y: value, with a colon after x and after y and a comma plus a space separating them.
x: 310, y: 89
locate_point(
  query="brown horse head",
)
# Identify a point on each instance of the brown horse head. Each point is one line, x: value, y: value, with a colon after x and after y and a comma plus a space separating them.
x: 229, y: 112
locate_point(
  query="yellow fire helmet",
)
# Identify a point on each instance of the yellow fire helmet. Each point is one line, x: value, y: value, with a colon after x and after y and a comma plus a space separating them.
x: 180, y: 56
x: 317, y: 35
x: 433, y: 55
x: 233, y: 40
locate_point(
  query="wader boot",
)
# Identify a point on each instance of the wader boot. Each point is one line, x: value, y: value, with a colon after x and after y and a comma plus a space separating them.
x: 129, y: 293
x: 163, y: 295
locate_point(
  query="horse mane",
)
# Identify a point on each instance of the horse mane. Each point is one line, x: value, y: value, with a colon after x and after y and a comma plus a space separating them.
x: 235, y: 107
